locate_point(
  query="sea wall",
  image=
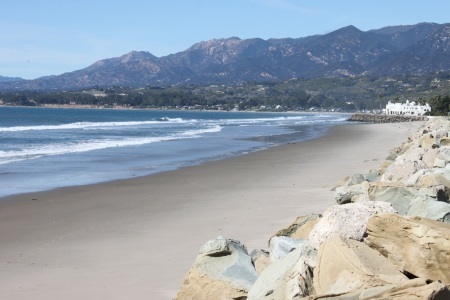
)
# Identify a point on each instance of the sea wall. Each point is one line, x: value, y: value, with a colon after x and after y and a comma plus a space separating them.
x: 387, y: 237
x: 381, y: 118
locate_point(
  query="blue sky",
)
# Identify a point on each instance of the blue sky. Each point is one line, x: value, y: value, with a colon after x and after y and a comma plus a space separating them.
x: 51, y: 37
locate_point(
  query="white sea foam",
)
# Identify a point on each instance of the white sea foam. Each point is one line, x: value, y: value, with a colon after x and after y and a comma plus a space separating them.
x: 93, y: 125
x: 97, y: 144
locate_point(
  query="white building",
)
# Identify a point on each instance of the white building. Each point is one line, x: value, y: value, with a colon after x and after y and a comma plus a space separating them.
x: 408, y: 109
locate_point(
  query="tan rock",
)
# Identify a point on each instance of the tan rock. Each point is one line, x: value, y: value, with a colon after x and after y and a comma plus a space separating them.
x: 384, y: 165
x: 445, y: 141
x: 260, y: 259
x: 432, y: 179
x: 429, y: 157
x: 428, y: 141
x: 415, y: 289
x: 345, y: 265
x: 296, y: 227
x: 418, y: 246
x: 303, y: 231
x: 198, y: 286
x: 400, y: 171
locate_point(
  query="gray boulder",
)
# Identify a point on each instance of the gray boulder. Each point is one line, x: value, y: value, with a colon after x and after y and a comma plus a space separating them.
x: 400, y: 171
x: 347, y: 193
x: 288, y: 278
x: 223, y: 270
x: 280, y: 246
x: 414, y: 200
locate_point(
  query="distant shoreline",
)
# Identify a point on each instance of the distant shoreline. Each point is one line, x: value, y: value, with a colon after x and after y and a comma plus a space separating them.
x: 82, y: 106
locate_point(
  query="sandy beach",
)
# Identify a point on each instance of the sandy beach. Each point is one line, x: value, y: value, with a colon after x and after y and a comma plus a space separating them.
x: 136, y: 238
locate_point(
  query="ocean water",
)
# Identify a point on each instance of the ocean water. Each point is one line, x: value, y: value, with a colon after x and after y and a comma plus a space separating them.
x: 47, y: 148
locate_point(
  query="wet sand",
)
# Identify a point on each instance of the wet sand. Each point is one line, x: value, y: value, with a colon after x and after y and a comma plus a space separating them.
x: 136, y: 238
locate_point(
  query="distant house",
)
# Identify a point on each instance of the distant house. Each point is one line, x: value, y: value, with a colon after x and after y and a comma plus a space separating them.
x: 408, y: 108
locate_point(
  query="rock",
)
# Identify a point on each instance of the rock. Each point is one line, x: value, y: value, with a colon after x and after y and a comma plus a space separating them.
x: 287, y: 278
x: 428, y: 142
x: 355, y: 179
x: 412, y: 154
x: 444, y: 153
x: 372, y: 176
x: 216, y: 247
x: 439, y: 163
x: 429, y: 157
x: 402, y: 196
x: 300, y: 228
x: 418, y: 246
x: 348, y: 220
x: 303, y: 231
x: 382, y: 118
x: 345, y: 265
x: 413, y: 289
x: 260, y: 259
x: 430, y: 209
x: 280, y: 246
x: 223, y: 270
x: 415, y: 177
x: 445, y: 172
x: 344, y: 194
x: 384, y: 165
x: 400, y: 171
x: 445, y: 141
x: 440, y: 134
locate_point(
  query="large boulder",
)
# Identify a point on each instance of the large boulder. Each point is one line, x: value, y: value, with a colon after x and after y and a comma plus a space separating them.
x: 347, y: 220
x: 348, y: 193
x: 345, y: 265
x: 429, y: 157
x: 418, y: 246
x: 288, y: 278
x: 423, y: 199
x: 415, y: 289
x: 430, y: 209
x: 223, y: 270
x: 400, y: 171
x: 428, y: 141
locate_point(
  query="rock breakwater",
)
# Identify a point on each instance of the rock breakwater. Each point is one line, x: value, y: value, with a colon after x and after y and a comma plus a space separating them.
x: 381, y: 118
x: 388, y: 237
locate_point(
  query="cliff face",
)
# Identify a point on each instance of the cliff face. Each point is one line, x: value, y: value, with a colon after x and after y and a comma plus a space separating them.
x: 345, y: 52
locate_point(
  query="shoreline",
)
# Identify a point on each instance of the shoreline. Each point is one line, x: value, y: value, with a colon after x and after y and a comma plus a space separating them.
x: 136, y: 238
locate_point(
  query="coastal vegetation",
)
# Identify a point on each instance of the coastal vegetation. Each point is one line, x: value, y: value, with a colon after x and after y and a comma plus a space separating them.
x: 364, y: 93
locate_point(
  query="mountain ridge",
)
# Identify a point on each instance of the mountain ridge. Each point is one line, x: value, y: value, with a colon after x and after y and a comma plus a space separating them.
x: 345, y: 52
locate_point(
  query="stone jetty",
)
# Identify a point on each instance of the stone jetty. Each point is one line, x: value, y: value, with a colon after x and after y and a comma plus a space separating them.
x: 382, y: 118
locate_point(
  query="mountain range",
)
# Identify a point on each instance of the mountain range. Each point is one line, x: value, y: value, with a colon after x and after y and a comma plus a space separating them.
x: 348, y: 51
